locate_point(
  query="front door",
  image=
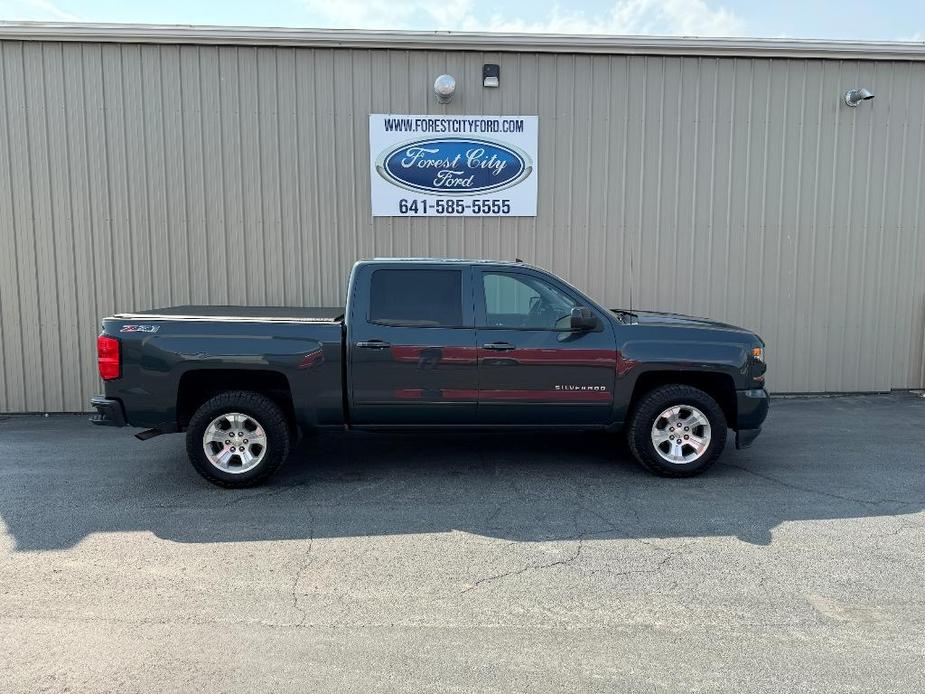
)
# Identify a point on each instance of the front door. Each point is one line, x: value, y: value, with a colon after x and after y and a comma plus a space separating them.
x: 411, y: 342
x: 532, y: 368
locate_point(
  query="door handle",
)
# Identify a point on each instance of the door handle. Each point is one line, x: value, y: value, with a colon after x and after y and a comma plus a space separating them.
x: 499, y: 346
x: 373, y: 344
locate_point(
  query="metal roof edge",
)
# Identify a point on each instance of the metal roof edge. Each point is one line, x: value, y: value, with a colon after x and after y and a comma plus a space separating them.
x: 464, y: 41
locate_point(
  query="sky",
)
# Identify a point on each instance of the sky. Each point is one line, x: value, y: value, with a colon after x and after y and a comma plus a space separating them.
x: 883, y: 20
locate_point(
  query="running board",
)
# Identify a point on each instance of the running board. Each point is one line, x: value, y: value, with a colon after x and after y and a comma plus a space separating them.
x: 157, y: 431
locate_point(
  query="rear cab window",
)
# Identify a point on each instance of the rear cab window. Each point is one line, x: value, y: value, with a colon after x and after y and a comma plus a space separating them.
x: 416, y: 298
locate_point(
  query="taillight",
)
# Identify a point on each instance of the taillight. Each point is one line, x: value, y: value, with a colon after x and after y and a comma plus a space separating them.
x: 759, y: 365
x: 107, y: 357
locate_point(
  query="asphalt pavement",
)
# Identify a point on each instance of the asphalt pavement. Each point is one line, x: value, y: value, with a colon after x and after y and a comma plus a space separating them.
x: 470, y: 563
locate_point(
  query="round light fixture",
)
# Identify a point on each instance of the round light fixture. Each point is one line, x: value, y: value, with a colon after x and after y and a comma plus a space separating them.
x: 444, y: 88
x: 855, y: 96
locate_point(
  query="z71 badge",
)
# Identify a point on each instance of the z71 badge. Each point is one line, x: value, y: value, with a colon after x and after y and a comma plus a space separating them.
x: 140, y: 328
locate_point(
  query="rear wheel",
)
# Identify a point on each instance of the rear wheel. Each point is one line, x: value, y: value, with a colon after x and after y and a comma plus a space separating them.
x: 677, y: 431
x: 237, y: 439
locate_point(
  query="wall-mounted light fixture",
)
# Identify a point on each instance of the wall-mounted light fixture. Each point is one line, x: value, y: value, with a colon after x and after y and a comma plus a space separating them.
x: 491, y: 75
x: 444, y: 88
x: 855, y: 96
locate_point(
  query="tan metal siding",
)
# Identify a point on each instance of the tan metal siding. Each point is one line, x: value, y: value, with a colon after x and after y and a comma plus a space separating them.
x: 136, y: 175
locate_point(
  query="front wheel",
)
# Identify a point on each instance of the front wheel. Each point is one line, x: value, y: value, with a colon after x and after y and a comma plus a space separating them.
x: 677, y: 431
x: 237, y: 439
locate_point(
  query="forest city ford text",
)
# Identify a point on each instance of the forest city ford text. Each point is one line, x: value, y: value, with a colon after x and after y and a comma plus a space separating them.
x: 454, y: 125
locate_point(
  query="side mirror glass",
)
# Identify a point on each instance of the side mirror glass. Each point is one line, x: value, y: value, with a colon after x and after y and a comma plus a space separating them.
x: 582, y: 319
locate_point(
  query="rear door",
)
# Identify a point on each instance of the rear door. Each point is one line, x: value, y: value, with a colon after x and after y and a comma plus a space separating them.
x: 532, y: 368
x: 411, y: 342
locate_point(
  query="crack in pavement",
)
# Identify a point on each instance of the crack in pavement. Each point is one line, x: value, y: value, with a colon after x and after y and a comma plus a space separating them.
x: 670, y: 554
x: 174, y: 500
x: 202, y: 496
x: 530, y: 567
x: 580, y: 537
x: 810, y: 490
x: 882, y: 546
x: 610, y: 526
x: 581, y: 497
x: 306, y: 560
x: 264, y: 494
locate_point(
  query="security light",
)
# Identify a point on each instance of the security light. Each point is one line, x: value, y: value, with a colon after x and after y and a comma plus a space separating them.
x: 855, y: 96
x: 491, y: 75
x: 444, y: 88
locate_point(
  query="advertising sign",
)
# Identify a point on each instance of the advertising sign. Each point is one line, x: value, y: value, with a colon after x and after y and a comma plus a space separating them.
x: 436, y: 166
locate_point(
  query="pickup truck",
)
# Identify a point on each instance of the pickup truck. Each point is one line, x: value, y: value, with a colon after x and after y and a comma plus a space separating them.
x: 430, y: 344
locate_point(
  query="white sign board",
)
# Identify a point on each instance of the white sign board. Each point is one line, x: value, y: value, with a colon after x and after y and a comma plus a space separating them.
x: 436, y: 166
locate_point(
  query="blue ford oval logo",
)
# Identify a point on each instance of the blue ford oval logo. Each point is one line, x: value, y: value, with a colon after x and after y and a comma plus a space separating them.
x: 454, y: 166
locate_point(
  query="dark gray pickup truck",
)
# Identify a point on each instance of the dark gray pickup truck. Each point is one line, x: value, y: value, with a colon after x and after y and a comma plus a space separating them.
x: 430, y: 343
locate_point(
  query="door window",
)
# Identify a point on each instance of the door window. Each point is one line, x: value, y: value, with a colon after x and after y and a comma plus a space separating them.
x: 416, y: 298
x: 525, y: 302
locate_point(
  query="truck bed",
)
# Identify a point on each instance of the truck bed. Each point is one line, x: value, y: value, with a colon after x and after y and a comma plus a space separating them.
x: 308, y: 314
x: 179, y: 350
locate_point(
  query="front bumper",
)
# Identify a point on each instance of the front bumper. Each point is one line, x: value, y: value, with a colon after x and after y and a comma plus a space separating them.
x: 745, y: 437
x: 751, y: 410
x: 109, y: 413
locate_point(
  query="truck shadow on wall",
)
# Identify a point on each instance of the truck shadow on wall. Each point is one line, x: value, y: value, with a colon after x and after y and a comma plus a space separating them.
x: 818, y: 459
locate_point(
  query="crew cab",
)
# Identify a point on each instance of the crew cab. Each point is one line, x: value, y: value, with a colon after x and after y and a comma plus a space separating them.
x: 430, y: 344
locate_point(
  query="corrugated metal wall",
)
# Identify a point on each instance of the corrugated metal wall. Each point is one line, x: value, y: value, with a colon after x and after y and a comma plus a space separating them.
x: 142, y: 175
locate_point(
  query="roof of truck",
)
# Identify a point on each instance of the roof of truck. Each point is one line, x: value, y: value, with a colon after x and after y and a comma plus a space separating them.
x: 517, y: 262
x: 466, y: 261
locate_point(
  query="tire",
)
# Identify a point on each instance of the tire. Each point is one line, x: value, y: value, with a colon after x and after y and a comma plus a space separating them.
x: 650, y: 443
x: 263, y: 434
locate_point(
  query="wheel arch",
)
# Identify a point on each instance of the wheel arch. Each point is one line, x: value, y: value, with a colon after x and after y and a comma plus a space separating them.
x: 719, y: 386
x: 199, y: 385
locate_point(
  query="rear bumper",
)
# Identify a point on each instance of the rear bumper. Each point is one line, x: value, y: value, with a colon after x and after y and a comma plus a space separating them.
x: 109, y: 413
x: 751, y: 410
